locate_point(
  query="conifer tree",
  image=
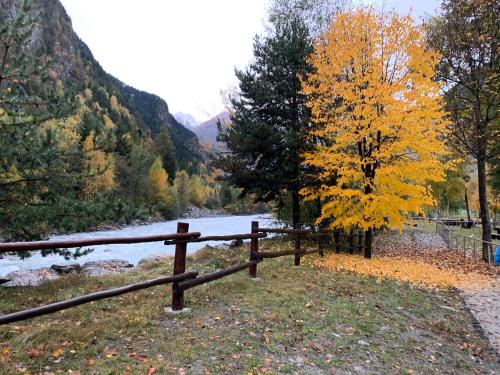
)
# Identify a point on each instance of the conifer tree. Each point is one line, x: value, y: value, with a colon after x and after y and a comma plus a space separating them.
x: 165, y: 149
x: 36, y: 168
x: 266, y: 138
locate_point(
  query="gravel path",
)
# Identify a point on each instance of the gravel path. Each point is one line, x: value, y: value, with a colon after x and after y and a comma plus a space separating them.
x: 484, y: 304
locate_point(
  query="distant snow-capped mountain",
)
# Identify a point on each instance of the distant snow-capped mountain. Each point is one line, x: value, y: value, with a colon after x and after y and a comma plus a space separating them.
x: 186, y: 120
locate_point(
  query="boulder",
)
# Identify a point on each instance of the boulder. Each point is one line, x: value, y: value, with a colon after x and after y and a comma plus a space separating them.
x: 154, y: 259
x: 96, y: 271
x: 66, y: 268
x: 30, y: 277
x: 105, y: 267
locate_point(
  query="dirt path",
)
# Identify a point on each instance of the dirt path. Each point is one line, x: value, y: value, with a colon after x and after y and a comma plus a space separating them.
x: 484, y: 303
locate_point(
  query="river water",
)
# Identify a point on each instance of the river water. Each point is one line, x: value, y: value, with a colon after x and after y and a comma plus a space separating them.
x: 133, y: 253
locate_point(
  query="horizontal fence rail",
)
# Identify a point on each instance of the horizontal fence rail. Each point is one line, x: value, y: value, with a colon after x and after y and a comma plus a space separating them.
x: 284, y: 231
x: 181, y: 279
x: 214, y: 276
x: 58, y: 306
x: 217, y: 238
x: 48, y: 245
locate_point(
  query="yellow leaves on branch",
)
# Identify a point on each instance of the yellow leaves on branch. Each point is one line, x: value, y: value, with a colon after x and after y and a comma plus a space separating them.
x: 379, y: 119
x: 100, y: 168
x: 405, y: 270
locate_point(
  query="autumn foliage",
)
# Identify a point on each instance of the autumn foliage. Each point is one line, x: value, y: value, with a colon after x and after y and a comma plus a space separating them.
x: 379, y: 122
x: 158, y: 178
x: 415, y: 272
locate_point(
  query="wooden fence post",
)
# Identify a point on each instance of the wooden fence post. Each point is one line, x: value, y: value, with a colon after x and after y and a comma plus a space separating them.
x: 179, y: 267
x: 351, y: 241
x: 254, y: 250
x: 297, y: 246
x: 336, y: 240
x: 320, y: 241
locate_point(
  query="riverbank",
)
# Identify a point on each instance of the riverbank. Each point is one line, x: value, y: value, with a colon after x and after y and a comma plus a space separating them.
x: 296, y: 320
x: 191, y: 213
x: 133, y: 253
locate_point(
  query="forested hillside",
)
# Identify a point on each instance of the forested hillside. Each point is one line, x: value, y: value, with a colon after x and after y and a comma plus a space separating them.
x: 74, y: 64
x: 79, y: 147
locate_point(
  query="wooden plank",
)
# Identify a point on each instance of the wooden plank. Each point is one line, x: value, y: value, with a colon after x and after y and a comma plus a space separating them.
x: 276, y: 254
x: 318, y: 234
x: 284, y: 231
x: 58, y: 306
x: 229, y: 237
x: 213, y: 276
x: 46, y: 245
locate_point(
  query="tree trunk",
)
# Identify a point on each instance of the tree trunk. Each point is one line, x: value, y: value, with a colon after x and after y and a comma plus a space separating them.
x: 369, y: 232
x: 368, y: 243
x: 483, y: 207
x: 467, y: 206
x: 295, y: 208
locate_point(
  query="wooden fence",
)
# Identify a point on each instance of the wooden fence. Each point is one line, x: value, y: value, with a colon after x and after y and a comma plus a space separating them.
x: 182, y: 280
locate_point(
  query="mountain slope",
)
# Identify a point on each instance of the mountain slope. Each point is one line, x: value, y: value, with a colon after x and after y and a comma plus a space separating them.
x: 75, y: 66
x: 207, y: 131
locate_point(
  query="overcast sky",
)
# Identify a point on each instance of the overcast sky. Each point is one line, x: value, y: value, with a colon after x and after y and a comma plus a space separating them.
x: 184, y: 51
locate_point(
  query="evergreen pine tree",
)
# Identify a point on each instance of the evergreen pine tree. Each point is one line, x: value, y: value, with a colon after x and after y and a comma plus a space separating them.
x: 270, y: 117
x: 165, y: 149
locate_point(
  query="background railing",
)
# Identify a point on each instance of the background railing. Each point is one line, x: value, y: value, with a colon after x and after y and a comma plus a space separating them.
x: 471, y: 247
x: 467, y: 245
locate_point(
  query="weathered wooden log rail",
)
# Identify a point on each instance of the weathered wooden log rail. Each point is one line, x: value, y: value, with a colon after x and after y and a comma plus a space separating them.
x: 181, y: 279
x: 63, y: 305
x: 10, y: 247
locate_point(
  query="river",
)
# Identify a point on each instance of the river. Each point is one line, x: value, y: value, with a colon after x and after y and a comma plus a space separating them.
x: 133, y: 253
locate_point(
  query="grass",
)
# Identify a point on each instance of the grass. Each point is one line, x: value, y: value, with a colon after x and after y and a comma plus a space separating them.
x: 297, y: 320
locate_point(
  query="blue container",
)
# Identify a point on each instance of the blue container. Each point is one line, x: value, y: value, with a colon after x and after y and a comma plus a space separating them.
x: 496, y: 260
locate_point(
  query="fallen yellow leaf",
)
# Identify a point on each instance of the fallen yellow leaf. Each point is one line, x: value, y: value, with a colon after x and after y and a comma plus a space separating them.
x: 57, y: 353
x: 401, y: 269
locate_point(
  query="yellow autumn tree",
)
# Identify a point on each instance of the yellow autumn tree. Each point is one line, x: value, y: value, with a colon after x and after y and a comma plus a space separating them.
x: 378, y: 121
x: 100, y: 169
x: 158, y: 182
